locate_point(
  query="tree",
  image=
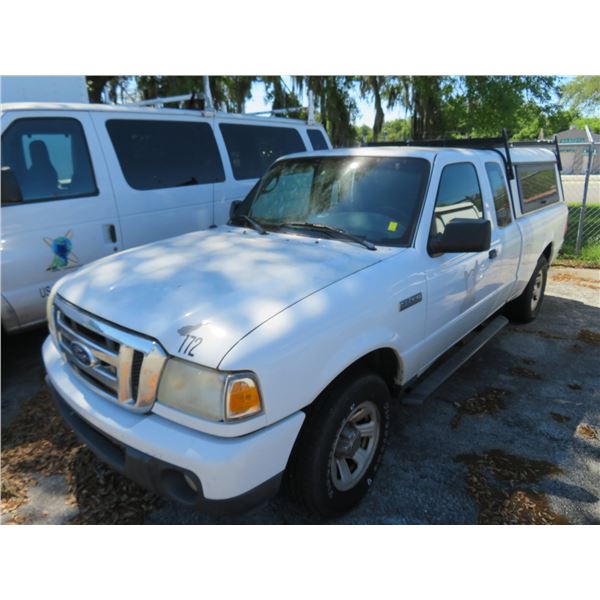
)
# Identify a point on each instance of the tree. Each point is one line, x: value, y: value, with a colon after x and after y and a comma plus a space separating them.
x: 337, y: 107
x: 96, y: 85
x: 372, y: 86
x: 392, y: 131
x: 280, y: 96
x: 423, y: 98
x: 583, y: 94
x: 483, y: 105
x: 592, y: 122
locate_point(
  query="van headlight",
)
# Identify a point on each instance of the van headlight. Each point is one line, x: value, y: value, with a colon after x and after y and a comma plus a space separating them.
x: 208, y: 393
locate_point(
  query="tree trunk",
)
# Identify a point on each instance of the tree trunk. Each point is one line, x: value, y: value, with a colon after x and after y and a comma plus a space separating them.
x: 96, y: 85
x: 379, y: 115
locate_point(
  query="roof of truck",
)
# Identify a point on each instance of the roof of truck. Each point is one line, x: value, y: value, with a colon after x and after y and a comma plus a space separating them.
x: 518, y: 155
x: 146, y: 110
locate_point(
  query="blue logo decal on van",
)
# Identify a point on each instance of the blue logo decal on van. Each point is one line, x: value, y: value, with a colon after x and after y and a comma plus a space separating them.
x: 62, y: 247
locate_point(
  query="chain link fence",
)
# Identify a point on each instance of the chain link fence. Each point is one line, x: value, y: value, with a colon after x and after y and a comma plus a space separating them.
x: 581, y: 186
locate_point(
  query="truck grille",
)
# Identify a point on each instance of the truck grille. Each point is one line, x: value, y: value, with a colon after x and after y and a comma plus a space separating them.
x: 117, y: 363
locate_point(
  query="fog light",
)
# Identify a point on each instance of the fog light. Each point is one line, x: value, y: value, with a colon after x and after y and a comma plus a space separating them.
x: 190, y: 482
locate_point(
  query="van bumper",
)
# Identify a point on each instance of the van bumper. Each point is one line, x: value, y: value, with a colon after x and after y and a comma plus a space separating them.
x: 215, y: 475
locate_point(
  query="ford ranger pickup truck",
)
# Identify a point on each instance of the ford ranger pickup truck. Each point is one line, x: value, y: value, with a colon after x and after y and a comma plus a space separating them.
x: 208, y: 366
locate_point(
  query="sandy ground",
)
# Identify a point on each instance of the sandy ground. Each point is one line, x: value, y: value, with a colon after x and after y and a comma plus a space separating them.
x: 511, y: 437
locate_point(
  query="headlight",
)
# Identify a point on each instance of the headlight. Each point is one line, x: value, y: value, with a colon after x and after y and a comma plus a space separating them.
x: 208, y: 393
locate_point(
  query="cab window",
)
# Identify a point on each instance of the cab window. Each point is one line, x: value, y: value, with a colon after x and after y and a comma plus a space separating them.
x: 537, y: 185
x: 458, y: 197
x: 49, y: 158
x: 500, y: 193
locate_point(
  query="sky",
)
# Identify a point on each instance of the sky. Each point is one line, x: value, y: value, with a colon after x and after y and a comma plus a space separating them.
x: 366, y: 111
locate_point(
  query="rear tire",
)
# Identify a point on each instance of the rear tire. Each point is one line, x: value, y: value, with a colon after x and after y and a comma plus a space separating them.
x: 341, y: 444
x: 527, y: 306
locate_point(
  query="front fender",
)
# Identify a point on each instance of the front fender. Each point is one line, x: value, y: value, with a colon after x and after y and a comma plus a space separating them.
x: 300, y: 351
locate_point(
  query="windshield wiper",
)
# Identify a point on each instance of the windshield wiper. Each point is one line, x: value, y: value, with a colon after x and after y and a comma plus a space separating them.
x: 254, y: 224
x: 335, y: 231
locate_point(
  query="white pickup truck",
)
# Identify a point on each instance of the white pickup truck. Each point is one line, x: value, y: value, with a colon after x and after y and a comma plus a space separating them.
x: 208, y: 365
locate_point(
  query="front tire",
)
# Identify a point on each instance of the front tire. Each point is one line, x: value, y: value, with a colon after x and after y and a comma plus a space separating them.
x: 341, y: 444
x: 527, y: 306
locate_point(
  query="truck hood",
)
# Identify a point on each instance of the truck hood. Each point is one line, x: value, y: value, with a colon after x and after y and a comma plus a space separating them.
x: 218, y: 284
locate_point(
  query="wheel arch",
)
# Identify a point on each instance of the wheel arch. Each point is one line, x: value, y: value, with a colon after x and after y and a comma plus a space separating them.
x: 383, y: 361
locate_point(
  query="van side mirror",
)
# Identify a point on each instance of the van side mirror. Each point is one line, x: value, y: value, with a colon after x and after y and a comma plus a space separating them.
x: 11, y: 190
x: 233, y: 208
x: 462, y: 235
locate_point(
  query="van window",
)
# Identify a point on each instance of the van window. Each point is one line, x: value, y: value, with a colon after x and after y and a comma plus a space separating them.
x: 537, y: 185
x: 50, y: 158
x: 165, y: 154
x: 500, y: 192
x: 458, y: 197
x: 317, y: 139
x: 253, y: 148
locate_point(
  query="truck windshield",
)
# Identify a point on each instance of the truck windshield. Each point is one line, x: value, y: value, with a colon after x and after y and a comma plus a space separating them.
x: 372, y: 198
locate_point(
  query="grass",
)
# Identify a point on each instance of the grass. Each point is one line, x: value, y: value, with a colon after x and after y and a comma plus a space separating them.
x: 590, y: 251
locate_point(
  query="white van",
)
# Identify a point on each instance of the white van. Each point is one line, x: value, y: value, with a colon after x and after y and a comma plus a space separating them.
x: 81, y: 181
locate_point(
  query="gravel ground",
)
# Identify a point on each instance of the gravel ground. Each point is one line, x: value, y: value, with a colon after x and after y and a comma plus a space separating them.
x: 513, y: 437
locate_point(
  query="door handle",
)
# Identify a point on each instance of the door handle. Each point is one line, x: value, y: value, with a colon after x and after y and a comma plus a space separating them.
x: 112, y: 233
x: 493, y: 253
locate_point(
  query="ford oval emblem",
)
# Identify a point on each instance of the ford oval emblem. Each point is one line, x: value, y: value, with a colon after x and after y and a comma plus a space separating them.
x: 82, y: 354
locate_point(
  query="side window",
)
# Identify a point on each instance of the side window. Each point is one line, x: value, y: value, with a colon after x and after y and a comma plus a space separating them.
x: 500, y: 191
x: 537, y: 185
x: 253, y: 148
x: 317, y: 139
x: 49, y: 157
x: 165, y: 154
x: 458, y: 197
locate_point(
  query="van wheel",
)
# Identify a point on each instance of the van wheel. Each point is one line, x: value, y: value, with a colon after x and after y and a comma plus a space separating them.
x: 341, y: 444
x: 527, y: 306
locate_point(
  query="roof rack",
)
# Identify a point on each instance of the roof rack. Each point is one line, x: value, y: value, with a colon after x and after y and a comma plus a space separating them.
x: 209, y: 104
x: 489, y: 143
x: 310, y: 109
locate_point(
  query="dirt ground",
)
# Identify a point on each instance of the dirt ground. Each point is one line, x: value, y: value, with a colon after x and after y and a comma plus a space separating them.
x: 513, y: 437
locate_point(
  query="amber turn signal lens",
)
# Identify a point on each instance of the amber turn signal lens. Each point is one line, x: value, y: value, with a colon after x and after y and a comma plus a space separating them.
x: 243, y: 398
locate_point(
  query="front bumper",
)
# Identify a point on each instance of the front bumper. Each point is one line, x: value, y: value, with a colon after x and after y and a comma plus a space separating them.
x: 216, y: 475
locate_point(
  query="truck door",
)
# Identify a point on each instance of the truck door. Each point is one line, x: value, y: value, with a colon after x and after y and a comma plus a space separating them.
x: 66, y: 215
x: 460, y: 294
x: 164, y: 171
x: 505, y: 251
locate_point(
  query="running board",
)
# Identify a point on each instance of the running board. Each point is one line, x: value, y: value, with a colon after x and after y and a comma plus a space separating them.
x: 430, y: 383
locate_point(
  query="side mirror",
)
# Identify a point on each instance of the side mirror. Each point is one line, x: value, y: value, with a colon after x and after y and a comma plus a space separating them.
x: 462, y: 235
x: 11, y: 190
x: 233, y: 208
